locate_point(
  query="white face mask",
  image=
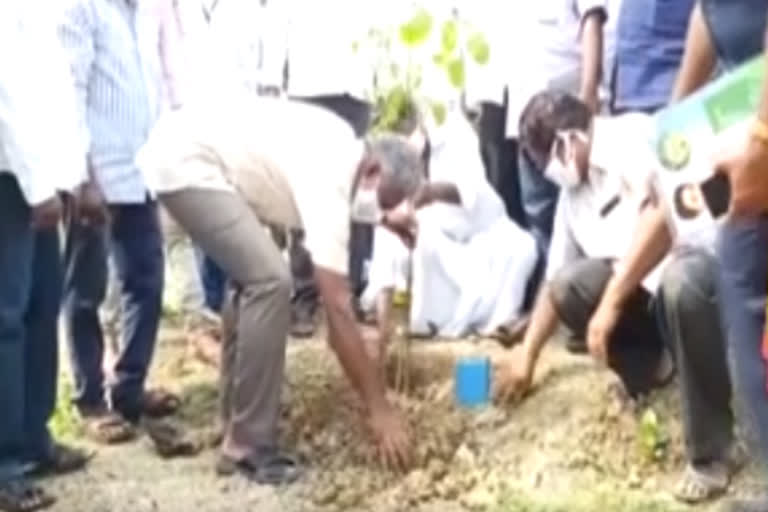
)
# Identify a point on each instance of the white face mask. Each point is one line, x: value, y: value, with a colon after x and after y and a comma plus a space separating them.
x: 365, y: 206
x: 562, y: 169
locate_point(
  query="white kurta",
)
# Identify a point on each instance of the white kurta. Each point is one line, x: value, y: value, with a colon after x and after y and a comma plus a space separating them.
x: 471, y: 263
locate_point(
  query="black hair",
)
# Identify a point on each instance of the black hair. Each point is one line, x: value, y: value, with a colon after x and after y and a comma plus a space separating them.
x: 683, y: 210
x: 547, y: 113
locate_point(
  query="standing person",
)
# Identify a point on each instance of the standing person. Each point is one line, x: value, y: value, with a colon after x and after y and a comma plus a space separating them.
x: 258, y: 177
x: 649, y: 50
x: 564, y: 43
x: 38, y: 162
x: 113, y: 51
x: 732, y: 31
x: 324, y: 69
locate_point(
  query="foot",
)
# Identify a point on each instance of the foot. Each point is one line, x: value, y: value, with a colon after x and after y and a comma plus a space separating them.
x: 270, y: 470
x: 62, y: 459
x: 205, y: 347
x: 303, y: 323
x: 169, y: 440
x: 22, y: 496
x: 107, y: 427
x: 704, y: 482
x: 758, y: 504
x: 158, y: 403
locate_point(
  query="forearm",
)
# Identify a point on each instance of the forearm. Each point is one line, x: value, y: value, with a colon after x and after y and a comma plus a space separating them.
x: 699, y: 58
x: 651, y: 244
x: 543, y: 325
x: 347, y: 342
x: 592, y: 54
x: 384, y: 313
x: 437, y: 192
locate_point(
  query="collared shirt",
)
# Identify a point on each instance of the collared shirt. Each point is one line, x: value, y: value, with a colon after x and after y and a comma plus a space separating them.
x: 650, y: 45
x: 114, y: 50
x: 552, y: 36
x: 294, y: 163
x: 38, y: 135
x: 597, y: 219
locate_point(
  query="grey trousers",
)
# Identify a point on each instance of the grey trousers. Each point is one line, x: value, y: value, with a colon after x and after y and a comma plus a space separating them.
x: 253, y: 359
x: 684, y: 317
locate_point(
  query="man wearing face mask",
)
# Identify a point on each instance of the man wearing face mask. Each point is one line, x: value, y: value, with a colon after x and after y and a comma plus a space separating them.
x: 223, y: 171
x: 603, y: 188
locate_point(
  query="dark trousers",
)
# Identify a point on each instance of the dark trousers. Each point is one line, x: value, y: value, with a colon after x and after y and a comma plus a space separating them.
x: 743, y: 253
x: 134, y: 241
x: 30, y: 292
x: 684, y: 317
x: 358, y: 114
x: 500, y: 159
x: 214, y: 282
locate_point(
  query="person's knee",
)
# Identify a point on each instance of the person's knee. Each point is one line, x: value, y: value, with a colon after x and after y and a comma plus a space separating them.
x: 688, y: 284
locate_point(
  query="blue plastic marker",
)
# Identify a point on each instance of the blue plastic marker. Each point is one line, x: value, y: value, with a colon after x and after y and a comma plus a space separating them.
x: 472, y: 382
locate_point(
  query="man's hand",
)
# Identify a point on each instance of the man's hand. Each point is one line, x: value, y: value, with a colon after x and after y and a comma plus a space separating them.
x: 402, y: 221
x: 392, y: 437
x: 90, y: 207
x: 47, y: 214
x: 747, y: 169
x: 514, y: 374
x: 600, y: 328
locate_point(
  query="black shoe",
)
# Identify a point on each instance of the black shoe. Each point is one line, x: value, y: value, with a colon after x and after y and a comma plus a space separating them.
x: 303, y: 323
x: 270, y: 470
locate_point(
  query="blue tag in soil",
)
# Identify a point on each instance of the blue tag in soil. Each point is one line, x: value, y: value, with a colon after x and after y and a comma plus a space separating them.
x: 473, y: 381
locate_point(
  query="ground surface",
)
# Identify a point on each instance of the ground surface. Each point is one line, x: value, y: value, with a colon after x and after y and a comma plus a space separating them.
x: 570, y: 446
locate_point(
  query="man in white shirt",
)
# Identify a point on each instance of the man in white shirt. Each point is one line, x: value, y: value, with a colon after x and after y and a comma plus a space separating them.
x: 563, y: 41
x: 609, y: 242
x: 225, y: 169
x: 471, y: 263
x: 40, y: 158
x: 117, y: 52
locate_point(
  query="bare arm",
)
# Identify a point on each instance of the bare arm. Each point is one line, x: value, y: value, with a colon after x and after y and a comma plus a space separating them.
x: 544, y: 321
x: 346, y: 338
x: 699, y: 59
x: 592, y: 55
x: 437, y: 192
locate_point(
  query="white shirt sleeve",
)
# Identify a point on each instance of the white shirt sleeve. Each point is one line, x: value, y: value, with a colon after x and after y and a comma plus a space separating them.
x: 563, y: 247
x: 37, y: 109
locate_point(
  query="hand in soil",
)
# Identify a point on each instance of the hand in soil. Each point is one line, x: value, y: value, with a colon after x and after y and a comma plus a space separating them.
x: 392, y: 437
x: 514, y: 375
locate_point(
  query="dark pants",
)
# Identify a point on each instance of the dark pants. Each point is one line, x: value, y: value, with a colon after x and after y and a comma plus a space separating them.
x: 358, y: 114
x: 684, y: 317
x: 30, y: 293
x: 539, y: 198
x: 214, y: 282
x: 134, y: 241
x: 500, y: 159
x: 743, y: 251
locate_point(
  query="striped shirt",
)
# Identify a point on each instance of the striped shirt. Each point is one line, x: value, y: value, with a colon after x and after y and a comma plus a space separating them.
x: 118, y: 53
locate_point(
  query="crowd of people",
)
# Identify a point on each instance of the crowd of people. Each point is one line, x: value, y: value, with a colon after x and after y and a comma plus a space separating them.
x: 229, y: 142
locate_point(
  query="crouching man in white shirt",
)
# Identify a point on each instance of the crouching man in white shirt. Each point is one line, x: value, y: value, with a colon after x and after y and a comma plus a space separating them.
x: 609, y: 283
x: 225, y: 169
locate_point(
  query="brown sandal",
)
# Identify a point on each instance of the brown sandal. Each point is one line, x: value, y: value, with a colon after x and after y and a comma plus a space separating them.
x: 159, y: 403
x: 108, y: 428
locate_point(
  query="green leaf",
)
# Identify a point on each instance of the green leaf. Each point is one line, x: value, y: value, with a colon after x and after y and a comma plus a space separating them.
x: 478, y: 48
x: 440, y: 59
x: 450, y: 37
x: 438, y: 112
x: 416, y: 31
x: 455, y: 70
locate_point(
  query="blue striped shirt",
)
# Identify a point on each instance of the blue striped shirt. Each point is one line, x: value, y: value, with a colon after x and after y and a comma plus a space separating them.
x: 113, y: 57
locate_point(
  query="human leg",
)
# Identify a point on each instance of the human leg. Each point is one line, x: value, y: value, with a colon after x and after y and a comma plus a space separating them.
x: 635, y: 348
x: 229, y: 232
x: 688, y: 304
x: 137, y: 248
x: 743, y: 255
